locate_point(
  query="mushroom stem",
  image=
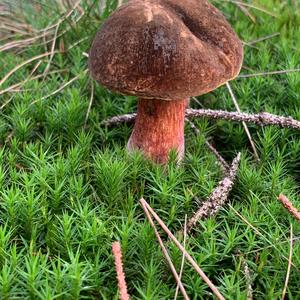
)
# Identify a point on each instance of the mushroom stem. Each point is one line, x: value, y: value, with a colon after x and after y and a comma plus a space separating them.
x: 158, y: 129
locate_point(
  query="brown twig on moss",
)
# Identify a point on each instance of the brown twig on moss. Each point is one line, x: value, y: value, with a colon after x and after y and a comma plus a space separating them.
x: 288, y: 272
x: 117, y: 252
x: 289, y: 206
x: 261, y: 119
x: 218, y: 197
x: 189, y: 258
x: 165, y: 252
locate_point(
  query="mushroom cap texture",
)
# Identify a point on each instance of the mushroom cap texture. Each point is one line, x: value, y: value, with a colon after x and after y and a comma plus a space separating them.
x: 165, y: 49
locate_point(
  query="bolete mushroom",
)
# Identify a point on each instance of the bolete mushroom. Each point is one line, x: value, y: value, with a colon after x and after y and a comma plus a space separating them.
x: 164, y: 52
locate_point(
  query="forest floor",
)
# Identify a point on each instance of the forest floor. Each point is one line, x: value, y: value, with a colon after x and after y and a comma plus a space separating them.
x: 68, y: 188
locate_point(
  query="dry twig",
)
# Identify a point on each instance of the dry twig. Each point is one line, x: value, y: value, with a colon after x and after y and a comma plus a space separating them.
x: 288, y: 272
x: 218, y: 197
x: 181, y: 248
x: 165, y: 252
x: 289, y: 206
x: 117, y: 252
x: 261, y: 119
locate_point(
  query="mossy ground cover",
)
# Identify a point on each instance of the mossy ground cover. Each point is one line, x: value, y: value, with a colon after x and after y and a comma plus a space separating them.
x: 69, y: 190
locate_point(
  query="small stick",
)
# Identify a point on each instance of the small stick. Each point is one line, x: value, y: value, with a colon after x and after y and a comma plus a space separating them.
x: 289, y: 206
x: 244, y: 124
x: 218, y: 197
x: 117, y: 252
x: 289, y: 265
x: 165, y: 253
x: 181, y: 248
x: 269, y: 73
x: 183, y: 257
x: 261, y: 119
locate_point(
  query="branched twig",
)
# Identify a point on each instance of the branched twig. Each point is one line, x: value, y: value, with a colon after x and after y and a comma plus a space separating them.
x: 289, y: 206
x: 181, y: 248
x: 261, y: 119
x: 165, y: 252
x: 218, y: 197
x: 117, y: 252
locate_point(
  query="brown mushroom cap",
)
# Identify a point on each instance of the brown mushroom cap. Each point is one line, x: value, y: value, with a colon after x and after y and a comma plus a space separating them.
x: 165, y: 49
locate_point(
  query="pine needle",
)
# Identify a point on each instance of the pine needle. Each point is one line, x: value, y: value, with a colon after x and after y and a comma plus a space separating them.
x: 288, y: 272
x: 244, y: 124
x: 269, y: 73
x: 165, y: 252
x: 181, y: 248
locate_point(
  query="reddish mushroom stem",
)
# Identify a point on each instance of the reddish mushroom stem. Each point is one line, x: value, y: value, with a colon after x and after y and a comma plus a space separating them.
x: 158, y: 129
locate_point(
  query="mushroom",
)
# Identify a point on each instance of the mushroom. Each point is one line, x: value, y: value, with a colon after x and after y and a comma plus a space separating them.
x: 164, y: 52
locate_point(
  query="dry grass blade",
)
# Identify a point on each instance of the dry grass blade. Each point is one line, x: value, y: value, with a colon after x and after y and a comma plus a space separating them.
x: 267, y: 37
x: 244, y: 124
x: 259, y: 8
x: 246, y: 12
x: 52, y: 50
x: 224, y: 165
x: 218, y: 197
x: 288, y: 272
x: 181, y: 248
x: 16, y: 85
x: 272, y: 245
x: 165, y: 252
x: 183, y: 257
x: 90, y: 104
x: 289, y: 206
x: 59, y: 89
x: 261, y: 119
x: 16, y: 68
x: 117, y: 252
x: 269, y: 73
